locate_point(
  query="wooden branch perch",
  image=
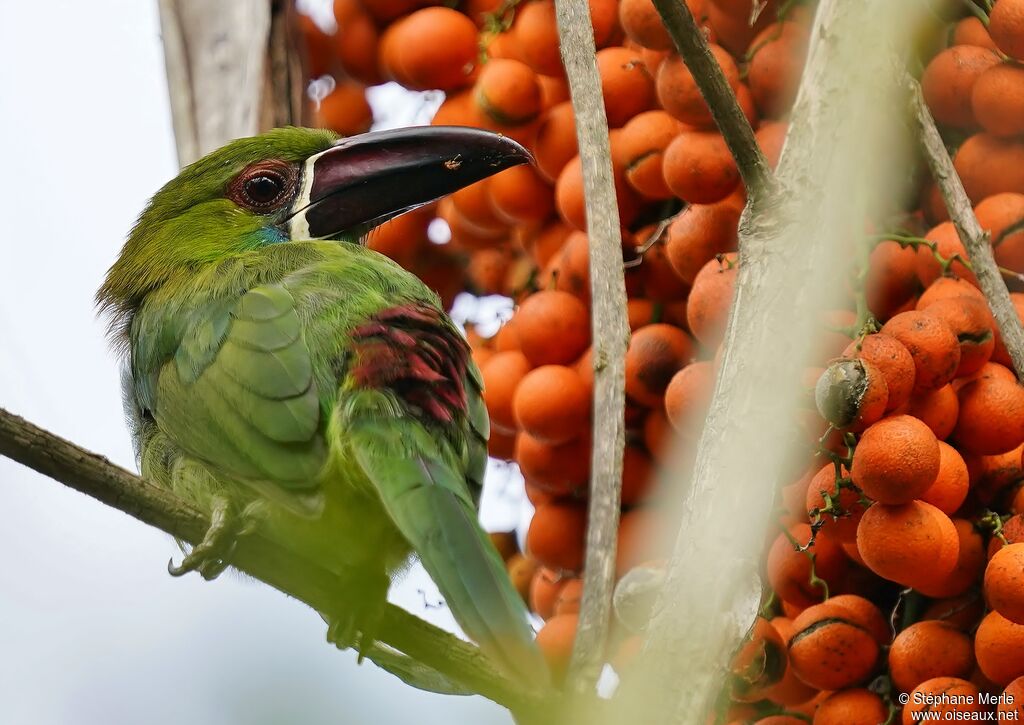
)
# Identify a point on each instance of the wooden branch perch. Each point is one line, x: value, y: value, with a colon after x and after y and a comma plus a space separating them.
x: 974, y: 238
x: 258, y: 557
x: 725, y: 109
x: 610, y: 338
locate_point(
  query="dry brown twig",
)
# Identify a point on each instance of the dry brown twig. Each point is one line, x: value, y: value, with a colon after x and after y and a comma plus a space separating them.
x: 610, y: 338
x: 725, y: 109
x: 975, y: 239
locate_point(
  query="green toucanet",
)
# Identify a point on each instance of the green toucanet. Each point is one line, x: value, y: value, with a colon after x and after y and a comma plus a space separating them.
x: 275, y: 363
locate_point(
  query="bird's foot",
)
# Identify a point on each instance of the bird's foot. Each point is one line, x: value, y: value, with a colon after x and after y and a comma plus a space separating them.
x: 361, y: 607
x: 210, y: 556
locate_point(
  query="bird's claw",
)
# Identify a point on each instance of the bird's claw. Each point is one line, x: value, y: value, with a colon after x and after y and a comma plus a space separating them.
x: 210, y: 556
x: 344, y: 633
x: 357, y: 625
x: 209, y: 565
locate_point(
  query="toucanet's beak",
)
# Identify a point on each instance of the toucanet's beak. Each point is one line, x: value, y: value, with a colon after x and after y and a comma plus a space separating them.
x: 364, y: 180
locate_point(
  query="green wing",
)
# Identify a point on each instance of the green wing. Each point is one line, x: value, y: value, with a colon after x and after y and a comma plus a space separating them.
x: 239, y: 393
x: 428, y: 488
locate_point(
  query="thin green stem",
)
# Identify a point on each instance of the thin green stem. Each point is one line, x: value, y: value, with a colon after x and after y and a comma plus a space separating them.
x: 977, y: 11
x: 813, y: 578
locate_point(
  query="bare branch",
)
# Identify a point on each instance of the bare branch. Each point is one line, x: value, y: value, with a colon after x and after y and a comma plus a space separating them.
x: 725, y: 109
x: 610, y: 337
x: 92, y: 474
x: 974, y: 238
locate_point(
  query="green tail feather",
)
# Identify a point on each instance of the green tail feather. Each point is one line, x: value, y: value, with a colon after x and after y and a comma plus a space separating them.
x: 462, y: 561
x: 431, y: 505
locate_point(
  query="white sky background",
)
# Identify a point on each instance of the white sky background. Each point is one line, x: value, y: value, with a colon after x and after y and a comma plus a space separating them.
x: 92, y: 629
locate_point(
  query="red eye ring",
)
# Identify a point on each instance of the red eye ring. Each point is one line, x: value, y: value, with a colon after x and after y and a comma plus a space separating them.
x: 264, y: 186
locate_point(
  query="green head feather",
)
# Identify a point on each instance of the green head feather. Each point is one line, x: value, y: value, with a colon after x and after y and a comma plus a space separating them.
x: 193, y: 221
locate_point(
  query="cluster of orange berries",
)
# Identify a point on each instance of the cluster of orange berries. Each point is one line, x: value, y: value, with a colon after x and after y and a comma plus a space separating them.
x: 898, y: 577
x: 976, y: 86
x: 920, y: 463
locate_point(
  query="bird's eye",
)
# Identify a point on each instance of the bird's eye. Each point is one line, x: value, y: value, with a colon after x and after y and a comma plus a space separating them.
x: 264, y: 188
